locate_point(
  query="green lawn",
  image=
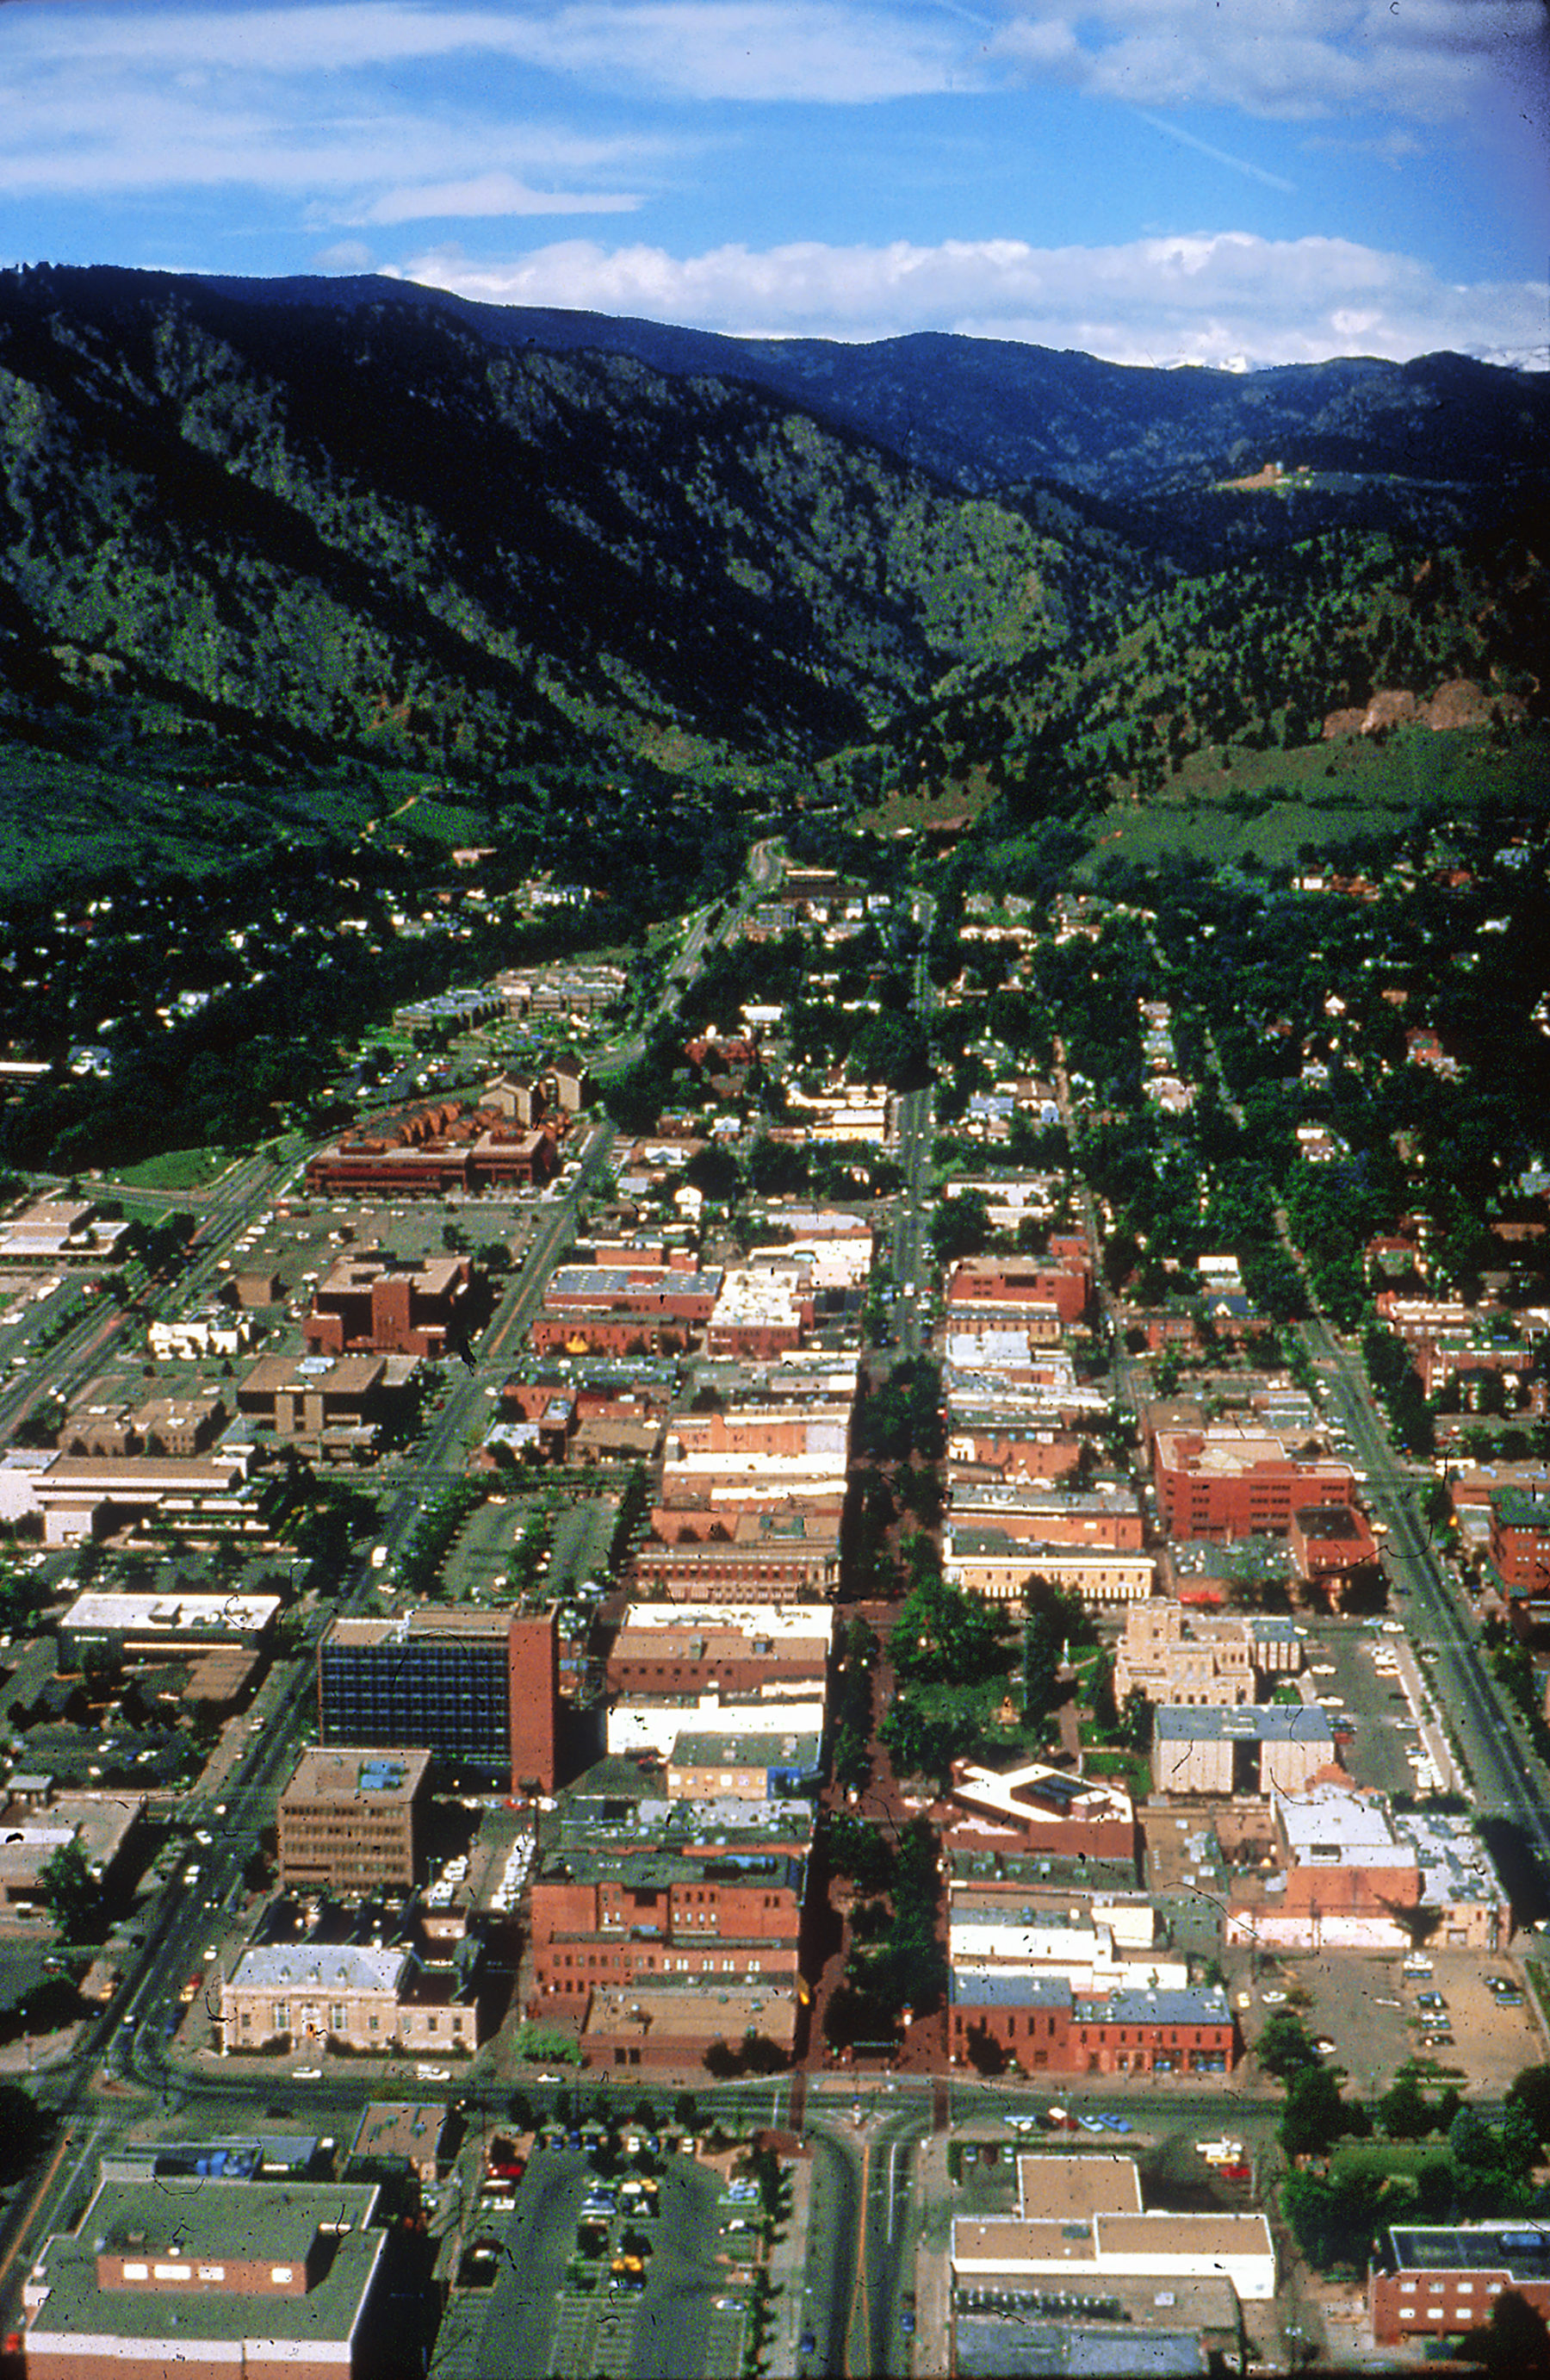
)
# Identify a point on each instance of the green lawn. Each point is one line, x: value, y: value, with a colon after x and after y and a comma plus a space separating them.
x: 1398, y: 2157
x: 177, y: 1169
x: 1319, y: 794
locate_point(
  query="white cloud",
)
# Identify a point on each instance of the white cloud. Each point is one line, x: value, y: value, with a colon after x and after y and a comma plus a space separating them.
x: 348, y: 158
x: 1207, y: 297
x: 344, y: 256
x: 491, y: 194
x: 1424, y: 59
x: 765, y: 50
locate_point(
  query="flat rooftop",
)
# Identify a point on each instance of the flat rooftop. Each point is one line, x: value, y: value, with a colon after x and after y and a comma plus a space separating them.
x: 1074, y: 2189
x: 345, y: 1774
x: 200, y: 2223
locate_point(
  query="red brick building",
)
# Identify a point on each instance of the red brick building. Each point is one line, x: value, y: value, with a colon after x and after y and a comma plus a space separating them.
x: 696, y: 1653
x: 393, y: 1306
x: 1235, y: 1483
x: 533, y: 1652
x: 1065, y: 1282
x: 746, y: 1552
x: 1330, y: 1543
x: 434, y: 1151
x: 1520, y: 1541
x: 601, y: 1920
x: 589, y: 1332
x: 1041, y: 2025
x: 1004, y: 1452
x: 1431, y: 2281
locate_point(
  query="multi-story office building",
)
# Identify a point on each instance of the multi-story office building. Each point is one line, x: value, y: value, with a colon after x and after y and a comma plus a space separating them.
x: 348, y: 1820
x: 478, y: 1689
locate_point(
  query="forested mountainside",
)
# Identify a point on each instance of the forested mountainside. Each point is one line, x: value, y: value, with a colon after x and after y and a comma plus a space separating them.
x: 359, y: 521
x: 986, y: 414
x: 372, y: 529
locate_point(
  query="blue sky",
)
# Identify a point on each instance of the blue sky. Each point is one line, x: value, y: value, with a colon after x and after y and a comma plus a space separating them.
x: 1215, y: 181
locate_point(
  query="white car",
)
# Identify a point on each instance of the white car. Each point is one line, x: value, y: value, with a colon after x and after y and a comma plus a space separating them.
x: 307, y: 2075
x: 1273, y: 2000
x: 433, y: 2075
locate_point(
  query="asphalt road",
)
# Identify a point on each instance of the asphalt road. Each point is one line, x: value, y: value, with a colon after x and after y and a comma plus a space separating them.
x: 1509, y: 1793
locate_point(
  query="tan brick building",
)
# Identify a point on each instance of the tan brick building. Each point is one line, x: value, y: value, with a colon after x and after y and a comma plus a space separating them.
x: 350, y: 1820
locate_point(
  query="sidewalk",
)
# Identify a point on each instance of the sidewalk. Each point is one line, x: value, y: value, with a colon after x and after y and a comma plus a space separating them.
x: 787, y: 2267
x: 933, y: 2266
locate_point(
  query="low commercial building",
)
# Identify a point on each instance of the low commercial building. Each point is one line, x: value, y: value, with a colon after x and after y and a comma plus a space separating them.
x: 319, y: 1396
x: 758, y: 1314
x: 212, y: 2278
x: 208, y: 1331
x: 129, y: 1627
x: 350, y: 1821
x: 1095, y: 1956
x: 84, y: 1496
x: 61, y: 1234
x: 1433, y: 2281
x: 394, y: 2133
x: 1331, y: 1545
x: 705, y: 1763
x: 736, y: 1649
x: 1039, y: 2025
x: 652, y: 1724
x: 723, y: 1544
x: 988, y: 1562
x: 1104, y: 1518
x: 669, y: 2027
x: 1036, y: 1808
x: 35, y: 1823
x: 1353, y: 1875
x: 287, y: 1995
x: 1246, y: 1750
x: 1065, y: 1282
x: 608, y: 1919
x: 1080, y: 2224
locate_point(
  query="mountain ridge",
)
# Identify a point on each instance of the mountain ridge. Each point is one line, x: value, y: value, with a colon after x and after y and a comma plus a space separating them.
x: 884, y: 388
x: 357, y: 517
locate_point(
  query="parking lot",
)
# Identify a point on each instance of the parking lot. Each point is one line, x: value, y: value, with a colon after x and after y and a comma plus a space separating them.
x: 1371, y: 2012
x: 1371, y: 1704
x: 550, y: 2306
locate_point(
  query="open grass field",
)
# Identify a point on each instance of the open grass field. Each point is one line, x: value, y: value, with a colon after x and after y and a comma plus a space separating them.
x: 177, y: 1169
x: 1384, y: 2157
x: 1270, y: 805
